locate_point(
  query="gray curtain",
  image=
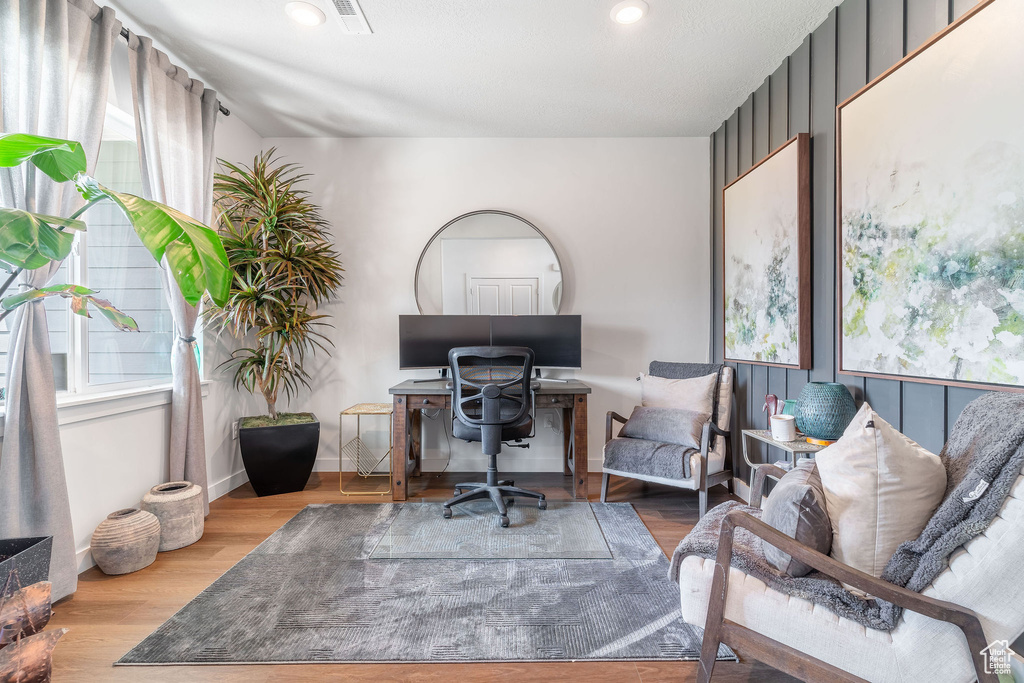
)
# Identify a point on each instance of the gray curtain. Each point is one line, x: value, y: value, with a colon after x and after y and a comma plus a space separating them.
x: 175, y: 116
x: 54, y: 71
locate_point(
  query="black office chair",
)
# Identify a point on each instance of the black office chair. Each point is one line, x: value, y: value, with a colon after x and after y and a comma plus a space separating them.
x: 492, y: 401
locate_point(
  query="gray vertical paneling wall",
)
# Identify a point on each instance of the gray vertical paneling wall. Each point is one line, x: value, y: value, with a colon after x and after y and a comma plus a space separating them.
x: 858, y: 41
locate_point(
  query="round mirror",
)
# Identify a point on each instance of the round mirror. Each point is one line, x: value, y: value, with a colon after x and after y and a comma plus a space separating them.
x: 489, y: 263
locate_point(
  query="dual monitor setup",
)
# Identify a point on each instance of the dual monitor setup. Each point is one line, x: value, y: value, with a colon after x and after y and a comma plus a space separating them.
x: 424, y: 340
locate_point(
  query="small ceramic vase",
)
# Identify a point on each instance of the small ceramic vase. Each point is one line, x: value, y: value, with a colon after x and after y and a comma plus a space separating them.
x: 179, y: 507
x: 126, y: 541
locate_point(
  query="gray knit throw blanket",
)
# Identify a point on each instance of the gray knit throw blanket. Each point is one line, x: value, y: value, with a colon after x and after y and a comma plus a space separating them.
x: 983, y: 458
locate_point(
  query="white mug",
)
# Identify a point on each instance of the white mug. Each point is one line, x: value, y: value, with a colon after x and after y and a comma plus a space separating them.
x: 783, y: 427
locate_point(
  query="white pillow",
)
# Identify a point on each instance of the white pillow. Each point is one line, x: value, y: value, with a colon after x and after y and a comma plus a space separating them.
x: 696, y: 394
x: 881, y: 489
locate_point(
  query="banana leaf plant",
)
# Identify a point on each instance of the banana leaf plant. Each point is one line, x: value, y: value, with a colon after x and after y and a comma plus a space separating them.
x: 29, y: 240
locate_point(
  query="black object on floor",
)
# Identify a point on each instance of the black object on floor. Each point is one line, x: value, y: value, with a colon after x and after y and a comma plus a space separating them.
x: 279, y: 458
x: 29, y: 557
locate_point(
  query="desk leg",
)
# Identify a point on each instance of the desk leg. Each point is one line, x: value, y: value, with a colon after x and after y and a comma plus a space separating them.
x: 416, y: 441
x: 399, y: 450
x: 567, y: 441
x: 579, y: 451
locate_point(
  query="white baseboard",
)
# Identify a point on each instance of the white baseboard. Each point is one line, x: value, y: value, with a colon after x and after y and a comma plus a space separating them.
x: 227, y: 484
x: 84, y: 560
x: 534, y: 465
x: 741, y: 489
x: 325, y: 465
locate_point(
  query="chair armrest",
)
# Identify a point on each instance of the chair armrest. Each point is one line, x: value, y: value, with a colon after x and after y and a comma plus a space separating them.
x: 611, y: 418
x: 707, y: 430
x: 961, y: 617
x: 705, y: 438
x: 762, y: 472
x: 718, y: 430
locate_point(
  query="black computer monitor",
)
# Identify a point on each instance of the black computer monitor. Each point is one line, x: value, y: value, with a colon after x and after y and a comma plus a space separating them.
x: 555, y: 339
x: 424, y: 340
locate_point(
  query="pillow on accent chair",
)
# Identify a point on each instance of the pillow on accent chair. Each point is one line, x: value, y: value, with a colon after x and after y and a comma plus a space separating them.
x: 696, y: 394
x: 666, y: 425
x: 797, y: 508
x: 881, y: 489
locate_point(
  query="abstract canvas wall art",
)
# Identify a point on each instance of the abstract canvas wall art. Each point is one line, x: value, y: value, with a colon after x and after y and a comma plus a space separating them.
x: 931, y: 209
x: 766, y: 269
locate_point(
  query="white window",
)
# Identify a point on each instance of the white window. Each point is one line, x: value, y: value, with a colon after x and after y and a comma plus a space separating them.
x: 89, y: 354
x: 112, y: 261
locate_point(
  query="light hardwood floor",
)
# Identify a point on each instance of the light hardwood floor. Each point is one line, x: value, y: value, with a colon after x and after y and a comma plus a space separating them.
x: 110, y: 614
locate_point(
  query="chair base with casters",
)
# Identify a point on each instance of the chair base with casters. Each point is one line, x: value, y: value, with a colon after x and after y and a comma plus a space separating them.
x: 492, y: 400
x: 495, y: 490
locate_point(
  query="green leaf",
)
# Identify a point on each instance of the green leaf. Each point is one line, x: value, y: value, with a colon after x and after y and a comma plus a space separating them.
x: 81, y: 299
x: 31, y: 240
x: 194, y: 252
x: 60, y: 159
x: 118, y: 319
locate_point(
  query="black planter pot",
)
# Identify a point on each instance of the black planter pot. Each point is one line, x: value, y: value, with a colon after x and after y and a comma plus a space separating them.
x: 30, y: 556
x: 279, y: 459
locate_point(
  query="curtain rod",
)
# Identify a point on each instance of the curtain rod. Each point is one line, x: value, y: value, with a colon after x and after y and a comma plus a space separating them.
x: 223, y: 110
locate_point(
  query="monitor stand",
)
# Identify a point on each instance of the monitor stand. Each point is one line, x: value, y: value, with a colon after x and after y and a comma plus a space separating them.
x: 549, y: 379
x: 443, y: 372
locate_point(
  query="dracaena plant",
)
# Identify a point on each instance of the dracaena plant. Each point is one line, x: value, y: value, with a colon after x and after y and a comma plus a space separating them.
x: 283, y: 267
x: 30, y: 240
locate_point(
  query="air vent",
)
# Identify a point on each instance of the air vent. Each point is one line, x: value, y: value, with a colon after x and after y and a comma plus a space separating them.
x: 350, y: 14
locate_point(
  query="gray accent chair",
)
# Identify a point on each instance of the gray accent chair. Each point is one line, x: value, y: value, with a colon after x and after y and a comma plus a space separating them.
x: 664, y: 463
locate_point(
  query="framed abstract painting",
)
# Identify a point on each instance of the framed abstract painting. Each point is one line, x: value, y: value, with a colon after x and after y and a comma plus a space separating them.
x: 767, y: 270
x: 931, y: 210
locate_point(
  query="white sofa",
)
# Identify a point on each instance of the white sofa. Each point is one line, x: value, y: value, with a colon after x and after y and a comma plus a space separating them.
x: 986, y: 576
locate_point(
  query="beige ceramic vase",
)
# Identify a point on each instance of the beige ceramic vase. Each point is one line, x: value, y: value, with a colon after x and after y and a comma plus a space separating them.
x: 179, y: 507
x: 126, y: 541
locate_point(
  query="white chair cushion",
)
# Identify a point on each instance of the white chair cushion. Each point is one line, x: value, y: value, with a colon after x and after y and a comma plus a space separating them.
x: 881, y: 489
x: 696, y: 394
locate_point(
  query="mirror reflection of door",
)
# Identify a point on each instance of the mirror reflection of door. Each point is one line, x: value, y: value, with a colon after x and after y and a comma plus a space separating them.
x: 503, y: 295
x: 506, y: 274
x: 488, y: 263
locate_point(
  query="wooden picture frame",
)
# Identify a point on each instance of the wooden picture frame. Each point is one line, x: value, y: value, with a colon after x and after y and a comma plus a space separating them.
x: 927, y: 171
x: 766, y: 318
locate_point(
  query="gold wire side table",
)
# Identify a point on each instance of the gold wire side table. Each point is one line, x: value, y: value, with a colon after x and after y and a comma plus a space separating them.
x: 357, y: 451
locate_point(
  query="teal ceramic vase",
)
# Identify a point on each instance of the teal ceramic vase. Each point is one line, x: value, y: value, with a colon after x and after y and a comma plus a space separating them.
x: 824, y: 410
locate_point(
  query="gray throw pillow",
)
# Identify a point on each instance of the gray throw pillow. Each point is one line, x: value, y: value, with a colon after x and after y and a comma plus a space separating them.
x: 666, y: 425
x: 796, y: 507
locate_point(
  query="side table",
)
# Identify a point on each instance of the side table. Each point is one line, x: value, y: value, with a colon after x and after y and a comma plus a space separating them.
x: 366, y: 461
x: 793, y: 448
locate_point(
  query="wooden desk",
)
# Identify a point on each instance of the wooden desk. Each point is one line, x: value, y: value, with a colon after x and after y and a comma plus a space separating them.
x: 410, y: 398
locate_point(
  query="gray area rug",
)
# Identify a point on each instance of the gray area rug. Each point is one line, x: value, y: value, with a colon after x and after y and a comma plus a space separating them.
x: 565, y: 531
x: 312, y: 593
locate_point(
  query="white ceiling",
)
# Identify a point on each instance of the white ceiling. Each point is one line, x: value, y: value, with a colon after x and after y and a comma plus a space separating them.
x: 492, y: 68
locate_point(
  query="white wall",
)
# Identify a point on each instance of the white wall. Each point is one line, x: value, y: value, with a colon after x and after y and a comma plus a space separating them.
x: 628, y: 218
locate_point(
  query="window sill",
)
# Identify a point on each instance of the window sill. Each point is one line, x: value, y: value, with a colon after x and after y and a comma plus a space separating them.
x: 72, y: 408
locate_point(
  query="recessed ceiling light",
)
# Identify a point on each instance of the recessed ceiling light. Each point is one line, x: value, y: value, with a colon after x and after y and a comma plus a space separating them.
x: 305, y: 13
x: 629, y: 11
